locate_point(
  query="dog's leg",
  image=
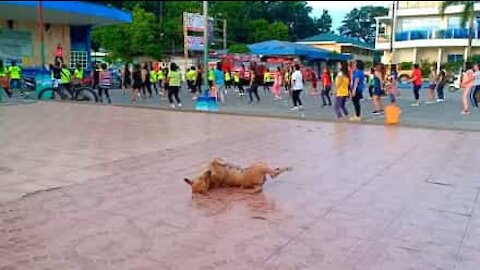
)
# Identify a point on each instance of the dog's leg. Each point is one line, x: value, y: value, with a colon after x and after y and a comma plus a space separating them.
x: 256, y: 189
x: 277, y: 171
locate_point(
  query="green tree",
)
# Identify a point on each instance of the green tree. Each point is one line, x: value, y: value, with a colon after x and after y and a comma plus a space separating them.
x: 468, y: 14
x: 261, y: 30
x: 361, y: 23
x: 238, y: 48
x: 324, y: 23
x: 130, y: 40
x: 160, y: 27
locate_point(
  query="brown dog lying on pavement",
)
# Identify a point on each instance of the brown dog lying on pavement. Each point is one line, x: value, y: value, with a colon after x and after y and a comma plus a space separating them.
x: 221, y: 174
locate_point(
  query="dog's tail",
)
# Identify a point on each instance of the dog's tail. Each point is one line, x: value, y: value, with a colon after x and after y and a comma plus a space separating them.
x: 277, y: 171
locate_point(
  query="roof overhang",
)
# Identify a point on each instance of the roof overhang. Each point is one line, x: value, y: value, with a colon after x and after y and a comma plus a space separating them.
x: 64, y: 12
x: 334, y: 42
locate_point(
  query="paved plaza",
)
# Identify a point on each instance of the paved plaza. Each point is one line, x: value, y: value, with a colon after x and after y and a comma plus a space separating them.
x: 100, y: 187
x: 441, y: 115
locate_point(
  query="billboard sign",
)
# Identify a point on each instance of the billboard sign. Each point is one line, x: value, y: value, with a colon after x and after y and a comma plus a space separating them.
x: 195, y: 43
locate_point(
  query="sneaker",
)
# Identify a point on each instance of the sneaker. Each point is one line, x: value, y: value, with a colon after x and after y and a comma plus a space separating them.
x: 300, y: 108
x: 429, y: 102
x: 376, y: 113
x: 465, y: 112
x: 179, y: 105
x: 294, y: 109
x: 355, y: 119
x: 172, y: 106
x: 416, y: 104
x: 440, y: 100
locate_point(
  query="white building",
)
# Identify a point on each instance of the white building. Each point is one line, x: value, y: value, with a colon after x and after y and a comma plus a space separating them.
x: 420, y: 32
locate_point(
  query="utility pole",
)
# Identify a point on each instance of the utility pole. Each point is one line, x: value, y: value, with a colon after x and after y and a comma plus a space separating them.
x: 393, y: 29
x: 225, y: 34
x: 41, y: 28
x: 205, y: 44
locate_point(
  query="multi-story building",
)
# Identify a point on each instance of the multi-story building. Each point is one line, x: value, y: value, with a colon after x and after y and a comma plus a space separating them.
x: 421, y: 32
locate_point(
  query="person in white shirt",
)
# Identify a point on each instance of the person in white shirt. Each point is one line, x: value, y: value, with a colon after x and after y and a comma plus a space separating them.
x: 297, y: 87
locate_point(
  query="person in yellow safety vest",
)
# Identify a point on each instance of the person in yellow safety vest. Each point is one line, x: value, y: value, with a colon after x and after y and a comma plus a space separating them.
x: 4, y: 82
x: 211, y: 77
x: 15, y: 73
x: 153, y: 78
x: 78, y: 74
x: 160, y: 78
x: 65, y: 77
x: 228, y: 79
x: 191, y: 74
x: 174, y: 82
x: 236, y: 79
x: 266, y: 81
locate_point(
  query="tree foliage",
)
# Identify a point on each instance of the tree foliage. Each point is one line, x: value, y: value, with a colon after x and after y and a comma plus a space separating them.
x: 361, y: 23
x: 324, y: 23
x: 129, y: 40
x: 157, y: 25
x: 239, y: 48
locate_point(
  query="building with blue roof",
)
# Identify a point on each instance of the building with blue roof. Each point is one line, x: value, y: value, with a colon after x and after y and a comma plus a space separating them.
x: 358, y: 49
x: 68, y: 23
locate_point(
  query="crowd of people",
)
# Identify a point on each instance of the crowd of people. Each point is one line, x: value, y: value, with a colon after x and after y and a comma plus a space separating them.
x: 346, y: 81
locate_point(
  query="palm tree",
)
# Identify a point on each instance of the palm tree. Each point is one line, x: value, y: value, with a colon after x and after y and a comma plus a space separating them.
x: 468, y: 14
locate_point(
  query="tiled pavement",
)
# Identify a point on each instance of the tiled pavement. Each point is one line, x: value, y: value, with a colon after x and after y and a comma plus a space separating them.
x: 360, y: 196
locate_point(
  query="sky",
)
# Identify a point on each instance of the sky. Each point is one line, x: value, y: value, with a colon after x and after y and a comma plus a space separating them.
x: 338, y: 9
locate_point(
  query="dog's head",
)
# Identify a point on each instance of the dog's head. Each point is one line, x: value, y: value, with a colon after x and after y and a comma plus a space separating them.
x: 201, y: 183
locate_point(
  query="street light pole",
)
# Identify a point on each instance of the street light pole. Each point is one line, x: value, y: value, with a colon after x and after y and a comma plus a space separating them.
x: 205, y: 44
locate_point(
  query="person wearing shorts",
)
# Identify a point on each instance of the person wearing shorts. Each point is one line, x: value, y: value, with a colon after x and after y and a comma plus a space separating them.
x: 432, y: 85
x: 378, y: 89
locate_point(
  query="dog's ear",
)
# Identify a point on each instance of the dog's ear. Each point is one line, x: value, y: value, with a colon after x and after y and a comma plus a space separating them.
x: 219, y: 161
x: 188, y: 181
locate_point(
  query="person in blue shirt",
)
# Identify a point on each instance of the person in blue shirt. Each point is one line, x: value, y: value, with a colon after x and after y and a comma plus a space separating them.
x: 357, y: 83
x: 220, y: 82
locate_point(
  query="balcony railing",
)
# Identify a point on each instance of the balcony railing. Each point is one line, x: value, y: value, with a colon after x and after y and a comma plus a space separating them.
x: 451, y: 33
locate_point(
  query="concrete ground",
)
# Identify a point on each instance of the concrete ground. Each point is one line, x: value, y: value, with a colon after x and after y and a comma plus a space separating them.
x: 100, y: 187
x: 441, y: 115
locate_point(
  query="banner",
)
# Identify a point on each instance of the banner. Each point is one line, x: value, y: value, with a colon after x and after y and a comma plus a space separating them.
x: 195, y: 23
x: 195, y: 43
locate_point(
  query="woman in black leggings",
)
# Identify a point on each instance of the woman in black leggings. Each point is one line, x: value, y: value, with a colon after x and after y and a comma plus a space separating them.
x: 357, y: 85
x: 146, y: 81
x: 297, y: 87
x: 255, y: 81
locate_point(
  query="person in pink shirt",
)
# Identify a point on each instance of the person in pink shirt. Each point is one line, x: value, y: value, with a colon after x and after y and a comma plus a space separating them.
x: 59, y: 53
x: 276, y: 84
x: 466, y: 85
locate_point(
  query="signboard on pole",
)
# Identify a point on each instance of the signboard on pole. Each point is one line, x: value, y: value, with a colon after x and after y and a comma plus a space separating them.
x: 195, y: 43
x: 194, y: 22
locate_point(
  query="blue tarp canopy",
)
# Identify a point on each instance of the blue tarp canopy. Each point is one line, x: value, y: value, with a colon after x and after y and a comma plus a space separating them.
x: 276, y: 47
x: 64, y: 12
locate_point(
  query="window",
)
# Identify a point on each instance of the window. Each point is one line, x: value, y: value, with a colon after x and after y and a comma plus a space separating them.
x: 419, y: 24
x: 454, y: 22
x: 78, y: 57
x: 455, y: 58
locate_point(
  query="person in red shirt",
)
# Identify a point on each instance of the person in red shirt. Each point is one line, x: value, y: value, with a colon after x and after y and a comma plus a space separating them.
x: 326, y: 86
x: 417, y: 84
